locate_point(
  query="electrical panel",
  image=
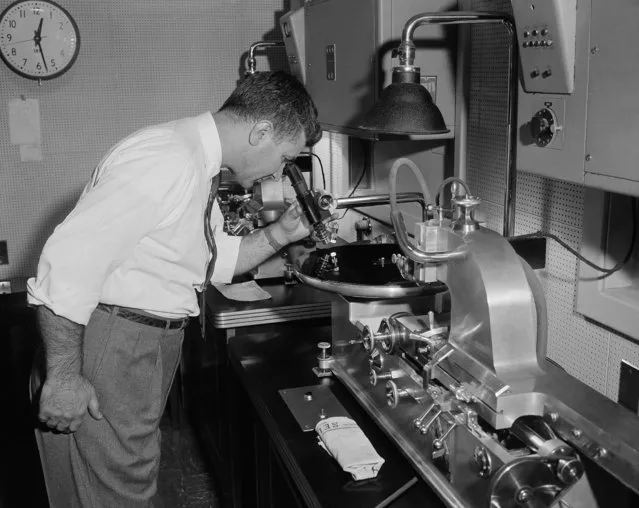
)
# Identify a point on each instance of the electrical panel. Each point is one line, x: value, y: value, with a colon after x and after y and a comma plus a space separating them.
x: 292, y: 26
x: 546, y: 37
x: 348, y: 52
x: 589, y: 135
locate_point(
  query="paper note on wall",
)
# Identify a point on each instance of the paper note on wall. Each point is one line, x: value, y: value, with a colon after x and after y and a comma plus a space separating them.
x: 24, y: 128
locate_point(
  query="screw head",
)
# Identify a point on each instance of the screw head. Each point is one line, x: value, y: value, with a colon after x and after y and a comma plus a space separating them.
x: 524, y: 494
x: 588, y: 157
x: 594, y: 50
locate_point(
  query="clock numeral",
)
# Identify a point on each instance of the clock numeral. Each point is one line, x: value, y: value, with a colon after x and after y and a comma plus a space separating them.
x: 23, y: 13
x: 39, y: 66
x: 52, y: 62
x: 61, y: 25
x: 13, y: 52
x: 12, y: 23
x: 9, y: 37
x: 24, y: 61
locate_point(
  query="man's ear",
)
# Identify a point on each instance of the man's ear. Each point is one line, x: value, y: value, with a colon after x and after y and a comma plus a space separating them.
x: 261, y: 131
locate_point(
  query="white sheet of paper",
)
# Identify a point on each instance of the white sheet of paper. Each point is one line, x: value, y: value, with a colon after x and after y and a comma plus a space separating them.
x: 24, y: 122
x: 243, y: 291
x: 30, y: 153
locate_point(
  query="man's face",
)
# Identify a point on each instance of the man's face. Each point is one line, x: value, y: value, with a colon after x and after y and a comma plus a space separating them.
x: 267, y: 158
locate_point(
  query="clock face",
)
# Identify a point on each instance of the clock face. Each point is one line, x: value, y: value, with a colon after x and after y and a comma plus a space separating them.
x: 38, y: 39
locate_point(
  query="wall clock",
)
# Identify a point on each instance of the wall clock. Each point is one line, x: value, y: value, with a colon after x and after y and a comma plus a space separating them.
x: 39, y: 39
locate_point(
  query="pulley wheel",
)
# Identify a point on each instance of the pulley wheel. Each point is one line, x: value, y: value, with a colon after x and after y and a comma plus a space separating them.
x: 525, y: 482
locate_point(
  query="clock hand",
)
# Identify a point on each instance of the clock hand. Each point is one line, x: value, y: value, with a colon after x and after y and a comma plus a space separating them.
x: 38, y: 32
x: 37, y: 38
x: 26, y: 40
x: 44, y: 61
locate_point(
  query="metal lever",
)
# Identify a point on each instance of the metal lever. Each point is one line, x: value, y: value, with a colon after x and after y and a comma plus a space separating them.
x: 438, y: 444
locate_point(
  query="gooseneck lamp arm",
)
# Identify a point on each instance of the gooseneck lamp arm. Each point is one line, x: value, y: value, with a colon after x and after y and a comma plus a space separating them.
x: 406, y: 55
x: 252, y: 62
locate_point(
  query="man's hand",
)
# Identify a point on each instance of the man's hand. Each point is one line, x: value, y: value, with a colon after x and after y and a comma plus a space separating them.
x: 292, y: 225
x: 64, y: 402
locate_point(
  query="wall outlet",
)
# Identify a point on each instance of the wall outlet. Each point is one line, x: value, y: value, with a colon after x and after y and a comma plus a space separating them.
x: 629, y: 386
x: 4, y: 253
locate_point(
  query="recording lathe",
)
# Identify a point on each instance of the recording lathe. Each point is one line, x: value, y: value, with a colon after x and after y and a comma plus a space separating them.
x: 459, y: 378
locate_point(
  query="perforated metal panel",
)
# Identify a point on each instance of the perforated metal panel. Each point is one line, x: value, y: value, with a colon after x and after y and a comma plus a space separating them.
x: 580, y: 346
x: 140, y: 63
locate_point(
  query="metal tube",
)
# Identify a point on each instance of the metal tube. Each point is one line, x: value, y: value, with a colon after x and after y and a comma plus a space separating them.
x: 252, y: 63
x: 383, y: 199
x: 406, y: 53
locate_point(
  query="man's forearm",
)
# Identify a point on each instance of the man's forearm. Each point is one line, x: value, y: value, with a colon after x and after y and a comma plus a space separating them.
x: 256, y: 248
x: 62, y: 343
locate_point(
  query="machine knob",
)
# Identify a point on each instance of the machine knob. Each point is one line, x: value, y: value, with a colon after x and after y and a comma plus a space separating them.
x: 569, y: 470
x: 324, y: 358
x: 385, y: 337
x: 324, y: 347
x: 376, y: 360
x: 466, y: 205
x: 394, y: 394
x: 543, y: 126
x: 368, y: 339
x: 374, y: 376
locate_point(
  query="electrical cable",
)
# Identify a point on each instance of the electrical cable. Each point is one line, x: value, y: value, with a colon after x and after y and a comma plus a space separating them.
x: 606, y: 271
x: 321, y: 167
x: 361, y: 177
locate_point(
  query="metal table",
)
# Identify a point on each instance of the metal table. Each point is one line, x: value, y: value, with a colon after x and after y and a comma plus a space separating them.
x: 292, y: 302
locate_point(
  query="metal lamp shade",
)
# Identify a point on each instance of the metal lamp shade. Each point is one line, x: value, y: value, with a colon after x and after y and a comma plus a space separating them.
x: 405, y: 108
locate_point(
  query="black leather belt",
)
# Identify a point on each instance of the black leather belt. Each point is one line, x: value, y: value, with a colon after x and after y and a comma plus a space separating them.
x: 136, y: 317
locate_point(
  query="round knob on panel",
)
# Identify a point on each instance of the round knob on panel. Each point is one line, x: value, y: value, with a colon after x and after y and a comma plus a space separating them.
x: 543, y: 126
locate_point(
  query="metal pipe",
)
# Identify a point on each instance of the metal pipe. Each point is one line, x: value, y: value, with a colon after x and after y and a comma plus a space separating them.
x: 252, y: 63
x: 406, y: 54
x: 383, y: 199
x: 417, y: 255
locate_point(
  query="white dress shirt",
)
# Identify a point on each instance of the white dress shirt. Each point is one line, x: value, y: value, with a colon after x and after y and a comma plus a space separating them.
x: 136, y: 236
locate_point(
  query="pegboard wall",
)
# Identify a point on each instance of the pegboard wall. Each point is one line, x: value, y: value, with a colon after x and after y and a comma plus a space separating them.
x: 586, y: 350
x: 140, y: 63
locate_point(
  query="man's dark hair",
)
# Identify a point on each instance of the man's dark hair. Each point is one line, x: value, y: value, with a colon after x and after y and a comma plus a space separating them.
x: 281, y: 99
